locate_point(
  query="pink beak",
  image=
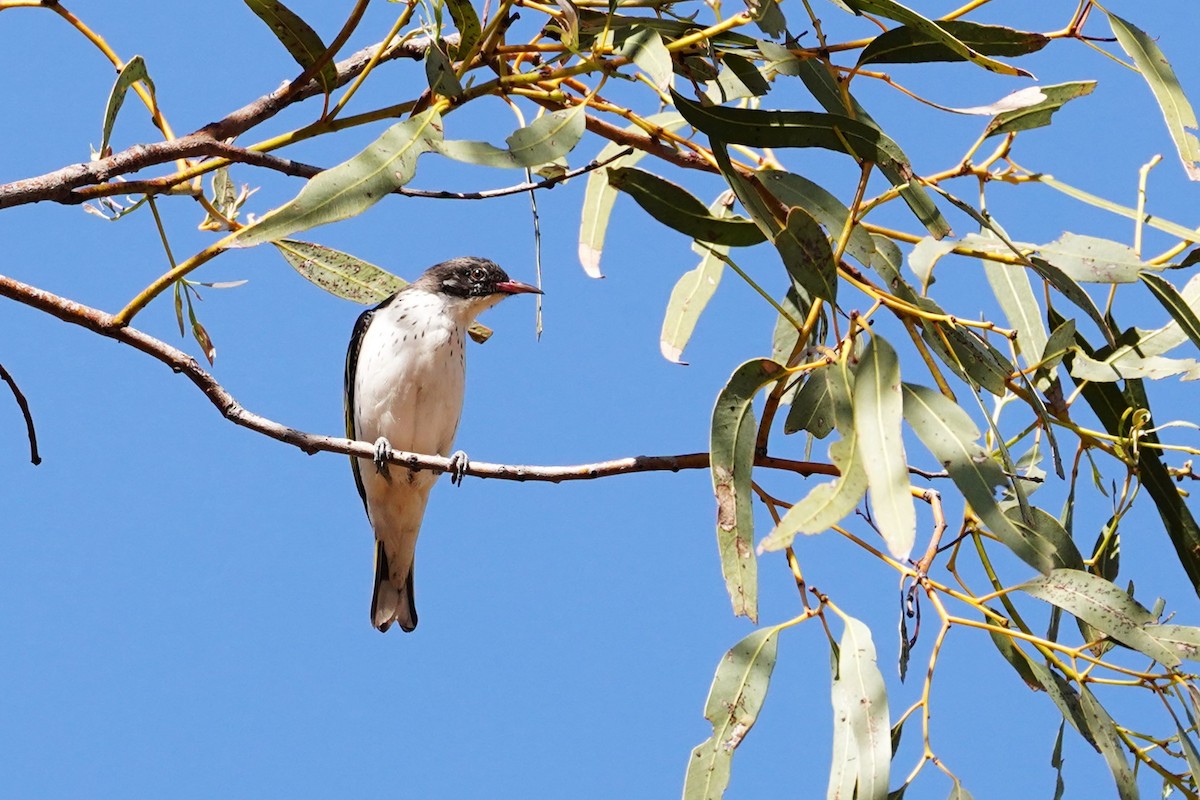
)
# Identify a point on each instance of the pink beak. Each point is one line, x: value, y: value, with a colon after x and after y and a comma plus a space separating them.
x: 516, y: 287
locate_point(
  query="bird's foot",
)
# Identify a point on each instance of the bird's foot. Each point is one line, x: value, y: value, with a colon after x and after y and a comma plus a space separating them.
x: 383, y: 454
x: 459, y: 463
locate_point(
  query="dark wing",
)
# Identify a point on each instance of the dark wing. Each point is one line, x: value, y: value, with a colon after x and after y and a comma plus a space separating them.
x: 356, y: 339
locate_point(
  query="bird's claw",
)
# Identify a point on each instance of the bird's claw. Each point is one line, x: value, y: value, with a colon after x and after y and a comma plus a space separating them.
x: 383, y: 454
x: 459, y: 463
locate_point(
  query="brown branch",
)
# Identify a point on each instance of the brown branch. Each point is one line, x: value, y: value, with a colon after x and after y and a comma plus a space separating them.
x: 107, y: 325
x: 57, y: 186
x: 24, y: 404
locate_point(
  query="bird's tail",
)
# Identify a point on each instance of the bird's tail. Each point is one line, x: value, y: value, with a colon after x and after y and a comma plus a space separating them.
x: 391, y: 602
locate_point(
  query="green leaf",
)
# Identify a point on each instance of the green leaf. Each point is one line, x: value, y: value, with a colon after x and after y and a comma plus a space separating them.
x: 1016, y: 657
x: 734, y: 702
x: 795, y: 191
x: 828, y: 503
x: 807, y: 255
x: 768, y: 16
x: 1104, y: 606
x: 679, y: 210
x: 740, y: 78
x: 1190, y: 753
x: 1014, y: 293
x: 760, y: 128
x: 1063, y: 695
x: 1155, y: 68
x: 599, y: 196
x: 1110, y: 406
x: 911, y: 45
x: 691, y: 294
x: 1183, y: 640
x: 1104, y: 732
x: 301, y: 41
x: 1041, y: 527
x: 959, y: 792
x: 1039, y: 114
x: 878, y: 421
x: 1175, y: 304
x: 1149, y: 220
x: 936, y: 31
x: 1092, y: 260
x: 133, y: 71
x: 439, y: 72
x: 834, y: 98
x: 351, y: 187
x: 813, y: 407
x: 346, y: 276
x: 732, y: 454
x: 548, y: 137
x: 862, y: 748
x: 952, y: 438
x: 645, y: 48
x: 467, y: 23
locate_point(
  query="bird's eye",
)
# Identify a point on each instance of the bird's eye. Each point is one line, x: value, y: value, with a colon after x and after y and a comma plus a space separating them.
x: 478, y: 275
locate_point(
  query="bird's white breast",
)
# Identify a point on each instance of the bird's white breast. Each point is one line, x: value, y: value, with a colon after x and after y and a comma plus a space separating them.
x: 410, y: 374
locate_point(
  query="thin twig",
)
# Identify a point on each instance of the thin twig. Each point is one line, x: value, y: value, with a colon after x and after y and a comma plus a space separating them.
x: 24, y: 404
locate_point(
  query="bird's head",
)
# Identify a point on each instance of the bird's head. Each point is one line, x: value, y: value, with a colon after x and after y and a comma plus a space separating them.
x: 475, y: 284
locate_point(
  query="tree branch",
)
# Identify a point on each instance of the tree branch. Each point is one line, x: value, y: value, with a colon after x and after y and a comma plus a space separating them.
x: 58, y: 186
x: 107, y: 325
x: 24, y: 404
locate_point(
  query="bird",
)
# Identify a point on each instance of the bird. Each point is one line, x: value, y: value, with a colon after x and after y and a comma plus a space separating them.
x: 405, y: 379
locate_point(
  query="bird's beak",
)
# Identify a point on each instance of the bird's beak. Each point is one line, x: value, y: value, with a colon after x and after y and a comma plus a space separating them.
x: 516, y: 287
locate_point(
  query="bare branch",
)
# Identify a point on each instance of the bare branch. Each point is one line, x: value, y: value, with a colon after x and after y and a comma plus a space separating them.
x: 107, y: 325
x: 24, y: 404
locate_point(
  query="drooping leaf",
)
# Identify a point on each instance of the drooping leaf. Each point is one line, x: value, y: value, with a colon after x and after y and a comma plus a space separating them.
x: 862, y: 748
x: 734, y: 702
x: 467, y: 22
x: 740, y: 78
x: 599, y: 196
x: 1175, y: 304
x: 344, y: 275
x: 439, y: 72
x: 768, y: 16
x: 691, y: 294
x: 732, y: 456
x: 878, y: 417
x: 678, y: 209
x: 1051, y: 538
x: 1039, y: 114
x: 910, y: 45
x: 1104, y: 732
x: 1104, y: 606
x: 935, y: 31
x: 1014, y: 293
x: 796, y: 191
x: 352, y: 186
x: 807, y: 255
x: 925, y: 255
x: 1149, y: 220
x: 1110, y: 405
x: 834, y: 98
x: 301, y: 41
x: 133, y: 71
x: 646, y: 49
x: 548, y: 137
x: 952, y: 438
x: 812, y: 408
x: 828, y: 503
x: 1183, y: 640
x: 1178, y: 112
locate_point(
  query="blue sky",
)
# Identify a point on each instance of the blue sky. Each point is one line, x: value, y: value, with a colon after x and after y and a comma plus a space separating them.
x: 184, y: 603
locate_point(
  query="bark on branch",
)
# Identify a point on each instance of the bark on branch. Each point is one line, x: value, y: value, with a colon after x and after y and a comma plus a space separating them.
x: 107, y: 325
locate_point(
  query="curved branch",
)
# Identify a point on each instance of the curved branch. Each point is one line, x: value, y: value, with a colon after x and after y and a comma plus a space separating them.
x: 107, y: 325
x: 19, y: 396
x: 57, y: 186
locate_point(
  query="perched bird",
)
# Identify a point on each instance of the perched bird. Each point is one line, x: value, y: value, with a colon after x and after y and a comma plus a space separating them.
x: 405, y: 372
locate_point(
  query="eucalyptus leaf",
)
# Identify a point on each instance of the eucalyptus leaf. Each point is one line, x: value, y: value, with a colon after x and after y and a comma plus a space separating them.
x: 732, y: 456
x: 862, y: 748
x: 878, y: 418
x: 133, y: 71
x: 691, y: 294
x: 1039, y: 114
x: 1177, y: 111
x: 548, y: 137
x: 734, y: 702
x: 675, y: 207
x: 911, y: 45
x: 351, y: 187
x: 301, y: 41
